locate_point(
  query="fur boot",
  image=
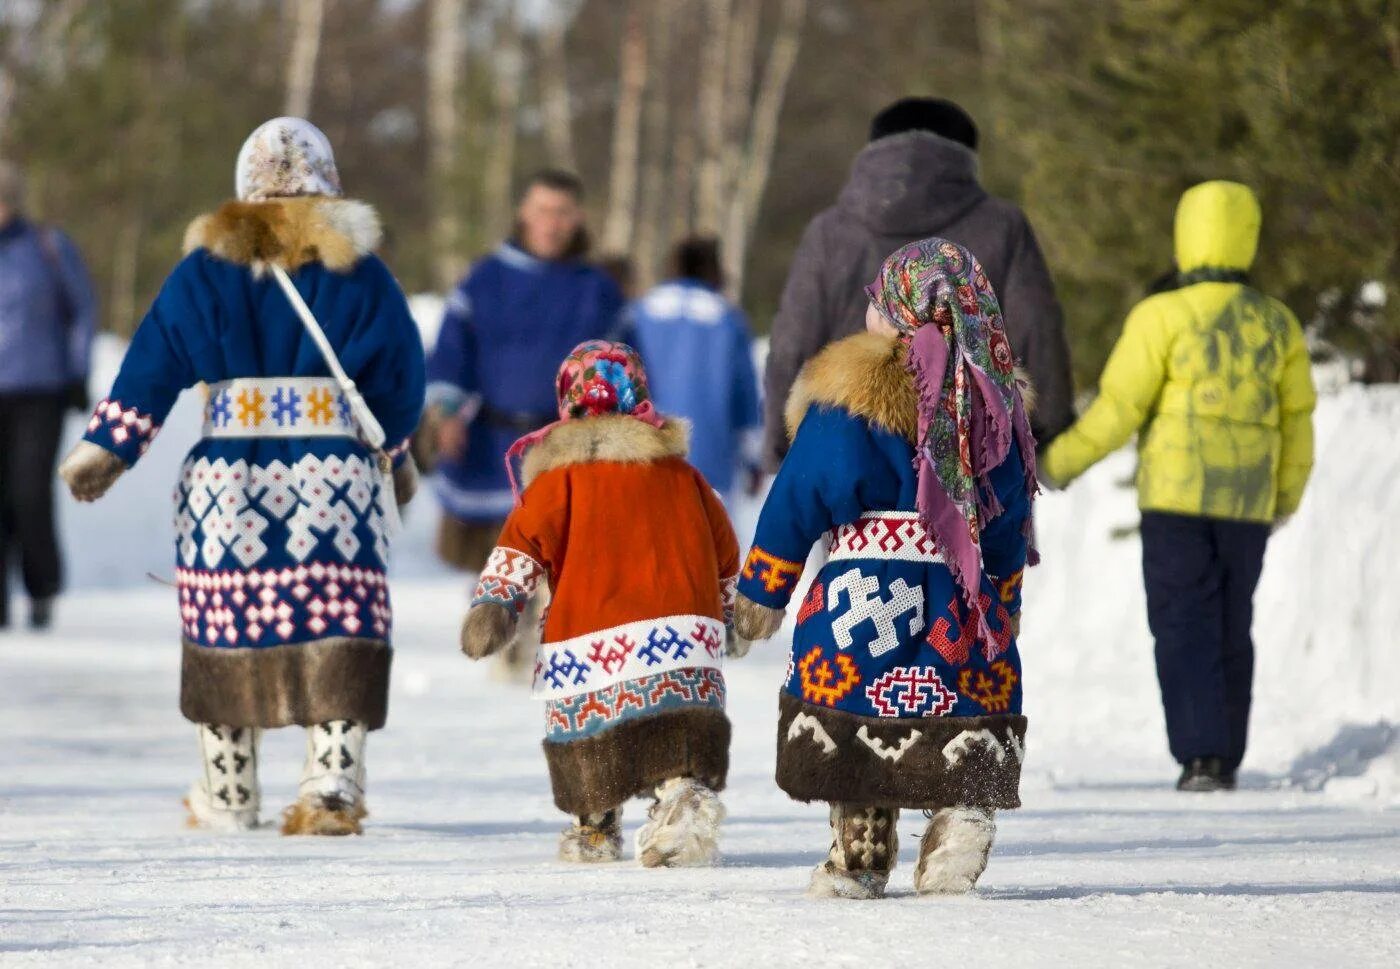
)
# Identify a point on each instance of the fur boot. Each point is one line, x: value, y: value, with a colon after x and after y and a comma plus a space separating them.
x: 864, y: 848
x: 330, y: 800
x: 954, y: 850
x: 227, y: 796
x: 682, y: 829
x: 593, y: 838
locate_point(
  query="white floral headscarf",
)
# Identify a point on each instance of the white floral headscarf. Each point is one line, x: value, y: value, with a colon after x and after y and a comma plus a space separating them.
x: 286, y: 157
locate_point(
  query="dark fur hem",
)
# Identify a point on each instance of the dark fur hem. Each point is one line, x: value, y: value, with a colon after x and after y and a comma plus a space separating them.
x: 277, y: 686
x: 600, y: 772
x: 827, y: 755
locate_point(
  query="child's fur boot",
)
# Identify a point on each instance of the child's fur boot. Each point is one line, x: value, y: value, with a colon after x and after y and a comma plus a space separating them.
x: 593, y: 838
x: 864, y: 848
x: 682, y: 829
x: 226, y: 798
x: 954, y: 850
x: 330, y: 800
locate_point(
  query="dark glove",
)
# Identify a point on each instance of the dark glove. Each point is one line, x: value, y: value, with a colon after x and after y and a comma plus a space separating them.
x: 76, y: 395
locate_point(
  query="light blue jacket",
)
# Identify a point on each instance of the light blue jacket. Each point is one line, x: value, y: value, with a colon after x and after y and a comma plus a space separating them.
x: 48, y: 312
x: 698, y: 354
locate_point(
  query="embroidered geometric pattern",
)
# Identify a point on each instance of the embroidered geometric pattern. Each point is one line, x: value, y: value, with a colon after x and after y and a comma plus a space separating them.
x: 883, y: 535
x: 776, y: 574
x: 865, y: 603
x: 576, y: 717
x: 124, y: 425
x: 728, y: 593
x: 908, y: 691
x: 823, y: 684
x: 992, y: 691
x: 588, y: 663
x: 814, y: 602
x: 267, y: 608
x: 277, y: 407
x: 509, y: 578
x: 224, y: 508
x: 956, y: 650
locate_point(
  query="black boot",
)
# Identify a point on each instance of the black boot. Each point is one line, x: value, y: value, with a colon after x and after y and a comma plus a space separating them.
x: 1204, y: 774
x: 41, y: 614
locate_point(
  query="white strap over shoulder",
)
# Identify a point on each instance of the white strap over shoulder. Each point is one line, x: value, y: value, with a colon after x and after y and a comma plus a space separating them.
x: 370, y: 428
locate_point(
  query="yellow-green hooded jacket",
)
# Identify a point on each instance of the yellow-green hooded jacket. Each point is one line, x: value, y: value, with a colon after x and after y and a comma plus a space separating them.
x: 1215, y: 375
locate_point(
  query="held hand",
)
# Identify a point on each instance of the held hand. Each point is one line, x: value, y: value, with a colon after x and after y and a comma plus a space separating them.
x: 735, y: 646
x: 753, y: 621
x: 90, y: 470
x: 488, y: 628
x: 452, y: 438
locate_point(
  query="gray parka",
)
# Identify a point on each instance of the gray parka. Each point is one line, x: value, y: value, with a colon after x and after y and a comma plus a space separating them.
x: 903, y: 188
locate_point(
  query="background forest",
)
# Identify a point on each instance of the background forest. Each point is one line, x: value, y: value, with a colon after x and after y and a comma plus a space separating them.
x: 738, y: 117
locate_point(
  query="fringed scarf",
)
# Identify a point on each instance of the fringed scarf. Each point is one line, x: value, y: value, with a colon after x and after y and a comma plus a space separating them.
x: 970, y: 405
x: 598, y: 377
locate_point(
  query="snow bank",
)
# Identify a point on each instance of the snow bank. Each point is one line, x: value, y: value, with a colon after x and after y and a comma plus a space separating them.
x: 1327, y: 670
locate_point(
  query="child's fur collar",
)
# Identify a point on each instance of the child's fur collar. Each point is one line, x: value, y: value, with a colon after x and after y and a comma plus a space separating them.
x: 863, y: 374
x: 611, y: 437
x: 289, y: 232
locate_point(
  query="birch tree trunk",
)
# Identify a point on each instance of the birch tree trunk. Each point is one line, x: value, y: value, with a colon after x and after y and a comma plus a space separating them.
x: 738, y: 91
x: 710, y: 110
x: 622, y: 182
x: 555, y: 107
x: 500, y: 164
x: 444, y: 57
x: 747, y: 195
x: 308, y: 17
x: 648, y: 236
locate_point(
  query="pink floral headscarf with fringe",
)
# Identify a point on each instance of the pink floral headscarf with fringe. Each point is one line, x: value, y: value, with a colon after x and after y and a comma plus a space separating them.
x: 599, y: 377
x: 936, y: 295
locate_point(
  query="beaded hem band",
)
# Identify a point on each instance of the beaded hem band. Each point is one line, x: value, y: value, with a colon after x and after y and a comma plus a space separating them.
x: 277, y: 407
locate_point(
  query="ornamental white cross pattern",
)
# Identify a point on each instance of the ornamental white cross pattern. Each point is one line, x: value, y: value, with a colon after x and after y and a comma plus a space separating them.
x: 866, y: 603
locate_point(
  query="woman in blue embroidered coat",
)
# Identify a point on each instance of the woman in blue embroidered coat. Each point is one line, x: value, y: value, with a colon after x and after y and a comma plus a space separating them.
x: 904, y: 685
x: 282, y: 514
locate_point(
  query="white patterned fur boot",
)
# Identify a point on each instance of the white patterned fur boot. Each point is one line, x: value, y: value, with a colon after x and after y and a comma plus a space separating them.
x: 954, y: 850
x: 227, y: 796
x: 682, y: 828
x: 593, y: 838
x: 331, y: 797
x: 864, y: 848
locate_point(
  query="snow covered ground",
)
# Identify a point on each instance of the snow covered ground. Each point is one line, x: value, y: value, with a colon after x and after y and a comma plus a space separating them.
x: 1104, y: 866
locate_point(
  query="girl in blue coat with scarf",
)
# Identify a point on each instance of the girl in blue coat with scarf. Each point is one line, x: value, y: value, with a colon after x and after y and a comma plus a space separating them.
x: 282, y: 511
x: 914, y: 460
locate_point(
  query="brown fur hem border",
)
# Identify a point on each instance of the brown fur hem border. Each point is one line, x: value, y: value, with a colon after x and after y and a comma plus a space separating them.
x: 600, y: 772
x: 828, y: 755
x: 277, y: 686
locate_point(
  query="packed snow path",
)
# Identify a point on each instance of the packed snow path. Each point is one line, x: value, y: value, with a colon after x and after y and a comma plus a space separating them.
x: 1104, y: 866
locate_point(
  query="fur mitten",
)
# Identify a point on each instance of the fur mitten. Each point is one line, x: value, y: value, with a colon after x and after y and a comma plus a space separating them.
x: 752, y: 621
x: 488, y: 628
x: 90, y: 470
x: 735, y: 646
x: 405, y: 481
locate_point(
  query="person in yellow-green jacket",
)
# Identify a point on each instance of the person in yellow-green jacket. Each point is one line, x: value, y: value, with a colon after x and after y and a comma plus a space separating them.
x: 1213, y: 376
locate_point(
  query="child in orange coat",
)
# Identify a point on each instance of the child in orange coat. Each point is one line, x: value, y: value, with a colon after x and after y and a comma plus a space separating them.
x: 641, y: 563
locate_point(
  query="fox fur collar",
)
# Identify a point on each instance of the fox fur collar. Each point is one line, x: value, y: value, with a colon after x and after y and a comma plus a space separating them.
x: 863, y: 374
x: 288, y: 232
x: 611, y: 437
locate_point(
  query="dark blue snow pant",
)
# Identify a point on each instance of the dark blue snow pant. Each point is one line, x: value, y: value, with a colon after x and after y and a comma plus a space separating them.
x: 1200, y: 575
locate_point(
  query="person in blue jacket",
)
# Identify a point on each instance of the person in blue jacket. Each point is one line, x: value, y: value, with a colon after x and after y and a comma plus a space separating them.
x: 913, y: 459
x: 47, y: 317
x: 518, y: 312
x: 283, y: 514
x: 699, y: 353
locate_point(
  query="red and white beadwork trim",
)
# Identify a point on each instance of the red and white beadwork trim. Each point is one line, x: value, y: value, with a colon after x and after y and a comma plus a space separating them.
x: 267, y: 607
x: 124, y: 423
x: 896, y: 535
x: 587, y: 663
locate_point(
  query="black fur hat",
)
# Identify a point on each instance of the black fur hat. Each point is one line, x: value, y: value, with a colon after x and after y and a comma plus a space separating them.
x: 940, y: 116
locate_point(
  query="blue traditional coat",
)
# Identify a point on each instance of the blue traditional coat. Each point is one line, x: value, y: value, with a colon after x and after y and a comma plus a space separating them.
x: 699, y: 359
x: 280, y: 511
x: 890, y: 698
x: 505, y: 330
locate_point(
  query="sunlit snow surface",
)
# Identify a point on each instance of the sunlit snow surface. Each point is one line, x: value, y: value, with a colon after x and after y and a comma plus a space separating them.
x: 1104, y: 866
